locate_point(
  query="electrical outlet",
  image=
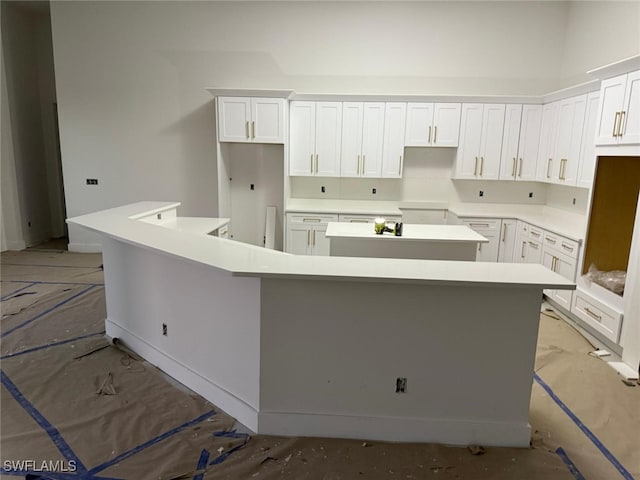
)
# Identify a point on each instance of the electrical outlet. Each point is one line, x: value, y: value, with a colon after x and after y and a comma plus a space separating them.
x: 373, y: 190
x: 530, y: 194
x: 322, y: 189
x: 574, y: 201
x: 92, y: 181
x: 164, y: 329
x: 481, y: 194
x: 253, y: 187
x: 159, y: 216
x: 401, y: 385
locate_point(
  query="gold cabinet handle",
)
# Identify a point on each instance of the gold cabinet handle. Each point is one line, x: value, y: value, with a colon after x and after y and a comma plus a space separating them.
x: 534, y: 234
x: 435, y: 134
x: 533, y: 245
x: 549, y: 168
x: 312, y: 163
x: 550, y: 240
x: 400, y: 166
x: 524, y: 244
x: 316, y: 163
x: 308, y: 238
x: 504, y: 232
x: 481, y: 165
x: 358, y: 169
x: 564, y: 169
x: 246, y: 128
x: 314, y: 238
x: 429, y: 134
x: 364, y: 159
x: 555, y: 264
x: 520, y: 172
x: 479, y: 225
x: 513, y: 168
x: 475, y: 168
x: 620, y: 129
x: 592, y: 314
x: 253, y: 129
x: 615, y: 124
x: 567, y: 247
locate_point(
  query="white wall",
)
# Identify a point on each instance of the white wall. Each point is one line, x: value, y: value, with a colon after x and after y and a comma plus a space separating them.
x: 131, y: 76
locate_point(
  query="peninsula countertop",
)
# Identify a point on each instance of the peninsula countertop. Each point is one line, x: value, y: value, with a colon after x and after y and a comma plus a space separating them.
x: 410, y: 232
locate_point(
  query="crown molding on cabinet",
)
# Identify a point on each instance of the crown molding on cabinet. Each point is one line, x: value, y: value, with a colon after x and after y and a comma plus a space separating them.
x: 250, y: 92
x: 572, y: 91
x: 352, y: 97
x: 616, y: 68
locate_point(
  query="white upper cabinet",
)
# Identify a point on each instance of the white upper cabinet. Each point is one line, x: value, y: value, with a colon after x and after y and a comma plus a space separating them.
x: 432, y: 125
x: 479, y: 150
x: 393, y: 144
x: 251, y: 120
x: 587, y: 163
x: 619, y: 111
x: 315, y: 138
x: 520, y: 142
x: 561, y: 140
x: 362, y: 139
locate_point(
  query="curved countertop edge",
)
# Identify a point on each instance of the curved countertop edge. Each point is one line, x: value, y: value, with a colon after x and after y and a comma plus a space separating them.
x: 242, y: 259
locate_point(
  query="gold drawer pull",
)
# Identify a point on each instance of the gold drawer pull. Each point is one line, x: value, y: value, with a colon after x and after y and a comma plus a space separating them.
x: 591, y: 314
x: 533, y: 245
x: 567, y: 247
x: 535, y: 234
x: 551, y: 241
x: 309, y: 219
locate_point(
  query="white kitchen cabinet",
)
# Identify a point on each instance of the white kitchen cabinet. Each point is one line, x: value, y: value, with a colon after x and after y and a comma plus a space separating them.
x: 251, y: 119
x: 490, y: 229
x: 395, y: 116
x: 306, y: 233
x: 563, y: 265
x: 546, y: 149
x: 520, y: 142
x: 587, y: 162
x: 480, y: 146
x: 598, y: 315
x: 528, y: 248
x: 432, y: 125
x: 507, y: 242
x: 362, y: 136
x: 619, y: 110
x: 359, y: 218
x: 315, y: 138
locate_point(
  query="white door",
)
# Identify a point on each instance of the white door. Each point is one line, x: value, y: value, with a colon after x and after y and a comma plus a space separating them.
x: 491, y: 142
x: 393, y: 142
x: 372, y: 138
x: 533, y: 252
x: 587, y: 163
x: 570, y: 168
x: 507, y: 242
x: 320, y: 244
x: 328, y: 139
x: 510, y: 139
x: 529, y: 142
x: 467, y: 161
x: 611, y: 101
x: 351, y: 149
x: 546, y: 148
x: 302, y: 138
x: 631, y: 113
x: 299, y: 239
x: 488, y: 252
x: 234, y: 118
x: 419, y: 125
x: 267, y: 120
x: 446, y: 124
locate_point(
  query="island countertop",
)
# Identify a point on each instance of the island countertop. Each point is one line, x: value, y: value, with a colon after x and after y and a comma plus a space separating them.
x: 427, y: 233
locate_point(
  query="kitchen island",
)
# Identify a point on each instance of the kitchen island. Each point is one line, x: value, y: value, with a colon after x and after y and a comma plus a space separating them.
x: 370, y: 348
x: 425, y: 242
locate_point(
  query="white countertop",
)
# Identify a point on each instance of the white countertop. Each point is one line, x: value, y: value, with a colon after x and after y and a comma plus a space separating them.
x: 354, y: 207
x: 410, y: 232
x: 202, y: 225
x: 249, y: 260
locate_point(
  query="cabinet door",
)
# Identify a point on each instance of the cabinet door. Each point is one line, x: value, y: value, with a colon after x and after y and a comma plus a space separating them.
x: 328, y: 139
x: 302, y: 138
x: 631, y: 110
x: 570, y: 126
x: 529, y: 142
x: 351, y: 150
x: 419, y: 125
x: 546, y: 153
x: 587, y: 163
x: 372, y: 138
x: 611, y: 101
x: 393, y: 142
x: 491, y: 141
x: 533, y: 252
x: 267, y: 120
x: 319, y: 242
x: 507, y: 242
x: 467, y: 156
x: 446, y: 124
x: 234, y: 118
x: 299, y: 239
x: 510, y: 139
x: 488, y: 252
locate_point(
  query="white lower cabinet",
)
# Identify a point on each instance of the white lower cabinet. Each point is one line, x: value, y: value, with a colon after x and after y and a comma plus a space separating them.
x: 507, y: 242
x: 490, y: 229
x: 597, y: 315
x: 306, y: 233
x: 349, y: 218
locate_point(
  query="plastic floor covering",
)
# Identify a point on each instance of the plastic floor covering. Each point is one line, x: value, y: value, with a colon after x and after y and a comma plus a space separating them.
x: 73, y: 406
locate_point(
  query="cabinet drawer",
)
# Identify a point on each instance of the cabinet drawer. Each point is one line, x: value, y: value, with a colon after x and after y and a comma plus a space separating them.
x: 311, y: 218
x: 598, y: 315
x: 535, y: 233
x: 484, y: 224
x: 366, y: 218
x: 561, y: 244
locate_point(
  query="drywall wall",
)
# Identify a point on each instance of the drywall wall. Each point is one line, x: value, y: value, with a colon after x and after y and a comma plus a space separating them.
x: 24, y: 124
x: 131, y: 76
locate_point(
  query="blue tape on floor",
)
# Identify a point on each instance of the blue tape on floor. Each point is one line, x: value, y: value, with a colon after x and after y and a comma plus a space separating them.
x: 151, y: 442
x: 590, y: 435
x: 202, y: 463
x: 9, y: 296
x: 570, y: 465
x: 49, y: 345
x: 231, y: 434
x: 49, y: 310
x: 53, y: 432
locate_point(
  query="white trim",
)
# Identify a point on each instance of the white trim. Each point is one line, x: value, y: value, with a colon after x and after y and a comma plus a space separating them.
x: 16, y: 245
x: 85, y: 247
x: 616, y: 68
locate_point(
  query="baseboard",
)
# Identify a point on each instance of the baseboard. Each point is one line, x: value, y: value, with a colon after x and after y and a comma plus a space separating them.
x: 16, y: 245
x: 203, y: 386
x: 85, y: 247
x: 396, y: 429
